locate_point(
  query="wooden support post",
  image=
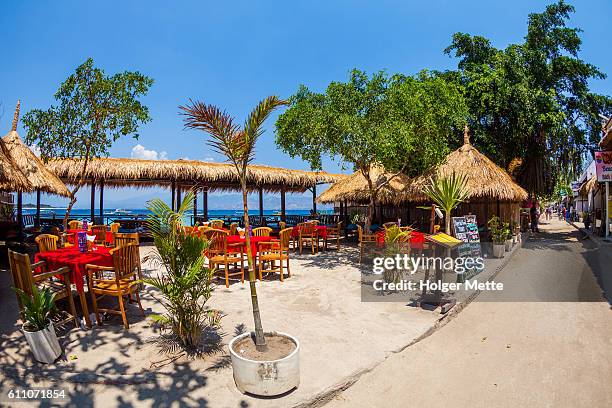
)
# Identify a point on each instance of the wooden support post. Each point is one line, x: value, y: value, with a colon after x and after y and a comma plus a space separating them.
x: 173, y: 187
x: 314, y: 199
x: 346, y: 214
x: 195, y: 205
x: 101, y: 202
x: 37, y: 223
x: 261, y: 210
x: 178, y: 197
x: 283, y: 206
x: 20, y: 213
x: 205, y: 203
x: 93, y: 200
x: 340, y: 218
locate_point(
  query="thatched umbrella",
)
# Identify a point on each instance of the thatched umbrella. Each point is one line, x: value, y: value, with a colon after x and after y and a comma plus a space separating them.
x: 354, y: 188
x: 11, y: 178
x: 484, y: 179
x: 32, y: 167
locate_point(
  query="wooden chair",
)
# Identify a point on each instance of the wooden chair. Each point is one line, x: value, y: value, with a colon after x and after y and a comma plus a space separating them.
x: 75, y: 225
x: 219, y: 252
x: 275, y: 250
x: 216, y: 224
x: 233, y: 228
x: 333, y: 234
x: 262, y: 232
x: 46, y: 242
x: 364, y: 240
x: 308, y: 235
x: 99, y: 231
x: 24, y: 278
x: 114, y: 227
x: 123, y: 238
x: 118, y: 281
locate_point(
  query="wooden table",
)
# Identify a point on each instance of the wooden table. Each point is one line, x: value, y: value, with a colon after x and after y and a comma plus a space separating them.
x: 76, y: 261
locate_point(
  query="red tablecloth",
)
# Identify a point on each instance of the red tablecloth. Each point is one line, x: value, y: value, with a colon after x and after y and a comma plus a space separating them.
x: 417, y: 239
x: 233, y: 239
x: 72, y: 233
x: 321, y: 230
x: 76, y: 261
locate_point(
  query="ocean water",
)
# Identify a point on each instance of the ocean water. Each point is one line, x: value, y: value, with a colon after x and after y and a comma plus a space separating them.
x: 142, y: 213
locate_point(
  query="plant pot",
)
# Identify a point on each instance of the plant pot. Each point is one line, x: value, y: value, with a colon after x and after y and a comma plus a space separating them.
x: 508, y: 245
x: 266, y: 378
x: 44, y: 344
x: 498, y: 250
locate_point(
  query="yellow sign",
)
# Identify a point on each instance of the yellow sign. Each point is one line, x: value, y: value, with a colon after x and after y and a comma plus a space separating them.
x: 444, y: 239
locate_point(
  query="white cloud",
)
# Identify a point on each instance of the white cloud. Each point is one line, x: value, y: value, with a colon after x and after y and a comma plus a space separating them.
x: 140, y: 152
x: 209, y: 159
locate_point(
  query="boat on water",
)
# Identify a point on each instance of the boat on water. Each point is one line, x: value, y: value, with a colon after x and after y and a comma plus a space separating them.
x: 120, y: 211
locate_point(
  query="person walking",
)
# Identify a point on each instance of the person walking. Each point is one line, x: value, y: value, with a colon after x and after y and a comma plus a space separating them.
x: 548, y: 213
x: 533, y: 212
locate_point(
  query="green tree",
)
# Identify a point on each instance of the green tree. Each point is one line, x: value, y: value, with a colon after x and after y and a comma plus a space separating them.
x: 402, y: 123
x: 93, y: 111
x: 531, y: 101
x: 238, y: 145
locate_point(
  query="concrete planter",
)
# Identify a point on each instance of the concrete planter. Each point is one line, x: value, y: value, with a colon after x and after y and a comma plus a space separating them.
x: 267, y: 378
x: 498, y: 250
x: 44, y: 344
x: 508, y: 245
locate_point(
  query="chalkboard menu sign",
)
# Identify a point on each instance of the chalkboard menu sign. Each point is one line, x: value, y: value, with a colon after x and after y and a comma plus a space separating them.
x: 466, y: 230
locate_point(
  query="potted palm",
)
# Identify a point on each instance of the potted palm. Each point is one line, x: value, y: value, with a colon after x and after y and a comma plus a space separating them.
x: 447, y: 193
x: 184, y: 283
x: 264, y: 363
x: 498, y: 236
x: 37, y: 327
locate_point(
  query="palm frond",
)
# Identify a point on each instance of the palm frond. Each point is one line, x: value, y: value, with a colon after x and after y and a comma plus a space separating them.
x: 254, y: 122
x: 212, y: 120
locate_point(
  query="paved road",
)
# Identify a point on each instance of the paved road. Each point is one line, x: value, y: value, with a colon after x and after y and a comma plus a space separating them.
x: 553, y: 349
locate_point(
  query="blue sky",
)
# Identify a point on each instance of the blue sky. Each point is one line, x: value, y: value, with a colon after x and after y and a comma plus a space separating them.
x: 234, y: 53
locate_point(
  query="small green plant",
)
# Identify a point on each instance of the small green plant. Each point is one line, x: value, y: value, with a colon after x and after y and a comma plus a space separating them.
x: 500, y: 232
x: 186, y: 283
x: 38, y: 308
x: 395, y: 243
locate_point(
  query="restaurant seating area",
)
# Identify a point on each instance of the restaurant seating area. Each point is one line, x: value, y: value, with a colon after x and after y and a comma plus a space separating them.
x: 96, y: 261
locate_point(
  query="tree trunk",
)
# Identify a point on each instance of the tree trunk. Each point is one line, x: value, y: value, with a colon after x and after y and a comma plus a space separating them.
x: 447, y: 228
x: 76, y: 188
x: 260, y: 340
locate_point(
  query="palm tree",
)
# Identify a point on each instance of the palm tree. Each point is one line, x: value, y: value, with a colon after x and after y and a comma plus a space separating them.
x: 447, y: 193
x: 238, y: 145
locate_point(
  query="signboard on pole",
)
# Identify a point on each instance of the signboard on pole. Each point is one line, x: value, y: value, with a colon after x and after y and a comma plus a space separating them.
x: 603, y: 166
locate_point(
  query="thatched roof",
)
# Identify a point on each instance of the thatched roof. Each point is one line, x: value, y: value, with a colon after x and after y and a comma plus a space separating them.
x: 354, y: 188
x: 32, y: 167
x: 136, y: 172
x: 484, y: 178
x: 588, y: 186
x: 11, y: 178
